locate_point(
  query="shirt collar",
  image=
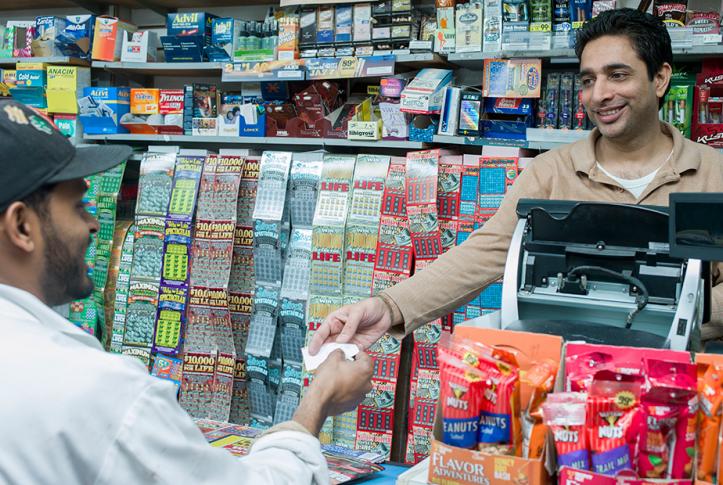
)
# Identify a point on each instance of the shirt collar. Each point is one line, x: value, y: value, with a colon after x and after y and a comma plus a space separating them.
x: 45, y: 315
x: 685, y: 157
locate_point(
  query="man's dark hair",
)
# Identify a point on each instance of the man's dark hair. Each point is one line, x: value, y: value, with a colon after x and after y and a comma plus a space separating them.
x: 647, y: 33
x: 38, y: 200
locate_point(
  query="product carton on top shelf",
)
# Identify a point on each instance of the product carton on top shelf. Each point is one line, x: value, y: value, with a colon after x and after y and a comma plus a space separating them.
x: 108, y: 38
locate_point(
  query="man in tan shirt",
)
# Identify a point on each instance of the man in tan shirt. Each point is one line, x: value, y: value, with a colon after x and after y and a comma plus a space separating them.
x: 625, y: 68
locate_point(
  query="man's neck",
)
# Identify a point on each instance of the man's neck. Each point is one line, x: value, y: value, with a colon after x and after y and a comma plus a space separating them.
x: 635, y: 157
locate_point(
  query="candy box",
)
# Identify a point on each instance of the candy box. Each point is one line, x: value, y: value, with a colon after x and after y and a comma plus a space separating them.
x: 101, y: 108
x: 452, y: 465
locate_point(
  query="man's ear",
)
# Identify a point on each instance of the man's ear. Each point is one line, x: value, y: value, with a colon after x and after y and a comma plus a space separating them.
x: 662, y: 79
x: 18, y: 224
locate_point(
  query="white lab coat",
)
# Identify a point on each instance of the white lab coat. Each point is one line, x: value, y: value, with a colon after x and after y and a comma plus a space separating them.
x: 71, y: 413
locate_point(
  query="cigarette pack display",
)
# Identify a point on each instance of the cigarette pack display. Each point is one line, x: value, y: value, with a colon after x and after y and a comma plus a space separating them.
x: 362, y: 23
x: 325, y: 25
x: 468, y: 37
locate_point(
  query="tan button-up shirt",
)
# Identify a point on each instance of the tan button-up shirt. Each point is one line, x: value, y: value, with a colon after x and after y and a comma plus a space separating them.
x: 566, y: 173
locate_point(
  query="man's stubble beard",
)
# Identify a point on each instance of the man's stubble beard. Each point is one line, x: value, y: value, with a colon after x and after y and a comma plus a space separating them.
x: 64, y: 277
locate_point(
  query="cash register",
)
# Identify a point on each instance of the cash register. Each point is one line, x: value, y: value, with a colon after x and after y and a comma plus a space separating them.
x: 613, y: 273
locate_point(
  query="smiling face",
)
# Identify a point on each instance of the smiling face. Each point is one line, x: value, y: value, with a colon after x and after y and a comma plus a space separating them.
x: 66, y: 229
x: 617, y: 92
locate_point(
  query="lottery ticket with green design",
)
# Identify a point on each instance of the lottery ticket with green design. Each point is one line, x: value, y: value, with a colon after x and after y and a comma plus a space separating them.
x: 186, y: 180
x: 121, y: 291
x: 148, y: 249
x: 141, y: 313
x: 155, y: 184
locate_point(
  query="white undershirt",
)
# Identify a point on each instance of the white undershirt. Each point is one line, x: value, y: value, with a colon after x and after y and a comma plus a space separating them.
x: 634, y: 186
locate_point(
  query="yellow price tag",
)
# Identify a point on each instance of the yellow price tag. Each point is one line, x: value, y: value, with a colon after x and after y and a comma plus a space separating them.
x: 541, y: 27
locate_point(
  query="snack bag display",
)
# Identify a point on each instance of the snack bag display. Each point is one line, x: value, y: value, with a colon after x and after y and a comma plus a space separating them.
x: 461, y: 400
x: 612, y: 408
x: 564, y: 414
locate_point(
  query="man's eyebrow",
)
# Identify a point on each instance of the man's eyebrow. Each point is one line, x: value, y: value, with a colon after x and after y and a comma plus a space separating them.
x: 606, y: 68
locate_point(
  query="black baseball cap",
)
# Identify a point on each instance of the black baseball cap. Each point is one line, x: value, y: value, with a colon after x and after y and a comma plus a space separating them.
x: 34, y: 153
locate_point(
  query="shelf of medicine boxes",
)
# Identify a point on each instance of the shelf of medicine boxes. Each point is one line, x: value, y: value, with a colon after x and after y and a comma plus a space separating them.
x: 253, y: 141
x: 64, y: 60
x: 537, y: 139
x: 561, y: 56
x: 225, y: 69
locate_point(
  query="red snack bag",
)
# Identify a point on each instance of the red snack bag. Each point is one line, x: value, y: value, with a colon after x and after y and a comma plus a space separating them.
x: 710, y: 393
x: 580, y: 369
x: 564, y: 414
x: 461, y: 396
x: 612, y: 413
x: 680, y: 378
x: 661, y: 409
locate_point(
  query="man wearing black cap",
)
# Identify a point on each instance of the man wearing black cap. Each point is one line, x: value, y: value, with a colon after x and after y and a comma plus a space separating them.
x: 71, y: 413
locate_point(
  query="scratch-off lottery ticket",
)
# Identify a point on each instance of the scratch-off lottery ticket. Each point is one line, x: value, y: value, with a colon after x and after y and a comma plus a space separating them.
x: 262, y: 330
x: 141, y: 313
x: 155, y: 184
x: 297, y: 268
x: 370, y: 174
x: 449, y: 187
x: 248, y: 188
x: 273, y: 178
x: 360, y: 255
x: 268, y: 255
x: 186, y: 181
x: 469, y: 188
x: 304, y: 187
x: 148, y: 249
x: 336, y: 179
x: 496, y: 177
x: 123, y: 281
x: 289, y: 393
x: 262, y: 399
x: 327, y: 260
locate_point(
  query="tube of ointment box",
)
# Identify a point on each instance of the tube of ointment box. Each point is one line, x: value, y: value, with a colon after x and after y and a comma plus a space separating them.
x: 449, y: 117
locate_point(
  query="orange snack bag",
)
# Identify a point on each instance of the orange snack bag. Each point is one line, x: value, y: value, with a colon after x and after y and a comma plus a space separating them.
x: 710, y: 394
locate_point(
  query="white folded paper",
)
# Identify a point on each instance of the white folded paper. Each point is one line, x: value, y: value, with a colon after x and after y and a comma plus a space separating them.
x: 311, y: 362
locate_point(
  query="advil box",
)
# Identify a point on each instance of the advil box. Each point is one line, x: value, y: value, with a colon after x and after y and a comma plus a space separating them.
x: 450, y: 465
x: 190, y: 23
x: 100, y: 109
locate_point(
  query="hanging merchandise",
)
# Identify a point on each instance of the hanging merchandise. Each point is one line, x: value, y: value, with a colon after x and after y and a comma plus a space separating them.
x: 241, y: 287
x: 173, y: 297
x: 209, y: 353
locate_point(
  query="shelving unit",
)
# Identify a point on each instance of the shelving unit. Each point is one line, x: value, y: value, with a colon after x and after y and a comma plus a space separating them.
x: 70, y: 61
x: 252, y: 141
x: 162, y: 68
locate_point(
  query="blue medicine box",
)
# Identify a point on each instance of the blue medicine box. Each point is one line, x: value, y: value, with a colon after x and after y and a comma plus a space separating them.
x: 101, y: 108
